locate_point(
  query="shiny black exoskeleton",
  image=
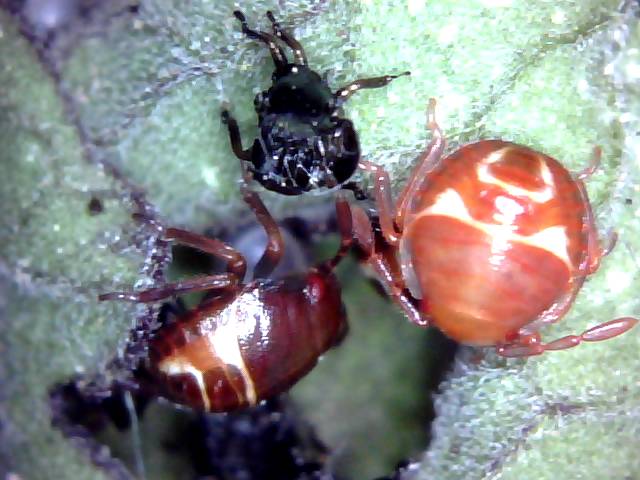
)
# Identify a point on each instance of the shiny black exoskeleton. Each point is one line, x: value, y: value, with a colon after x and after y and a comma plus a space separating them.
x: 304, y: 144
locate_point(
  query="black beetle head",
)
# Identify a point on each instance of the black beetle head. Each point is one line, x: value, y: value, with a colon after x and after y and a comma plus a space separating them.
x: 298, y: 90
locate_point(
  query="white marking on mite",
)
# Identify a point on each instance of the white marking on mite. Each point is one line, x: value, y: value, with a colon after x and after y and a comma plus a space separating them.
x: 539, y: 196
x: 552, y: 239
x: 181, y: 366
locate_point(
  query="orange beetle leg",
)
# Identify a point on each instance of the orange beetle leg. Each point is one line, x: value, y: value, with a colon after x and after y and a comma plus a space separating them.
x: 384, y: 202
x: 362, y: 230
x: 595, y: 250
x: 427, y: 161
x: 553, y: 313
x: 590, y: 169
x: 391, y: 280
x: 599, y: 333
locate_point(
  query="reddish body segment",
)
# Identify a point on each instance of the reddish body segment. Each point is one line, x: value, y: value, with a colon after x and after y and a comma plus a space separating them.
x: 495, y: 240
x: 235, y: 351
x: 245, y: 342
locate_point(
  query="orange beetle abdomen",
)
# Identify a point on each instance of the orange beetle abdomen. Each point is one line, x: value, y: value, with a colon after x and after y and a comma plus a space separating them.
x: 495, y: 238
x: 479, y: 290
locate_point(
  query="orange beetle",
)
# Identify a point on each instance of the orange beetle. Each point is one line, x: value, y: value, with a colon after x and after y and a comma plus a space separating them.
x: 488, y: 244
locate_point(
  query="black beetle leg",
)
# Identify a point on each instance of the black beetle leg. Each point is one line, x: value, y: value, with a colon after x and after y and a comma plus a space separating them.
x: 234, y: 137
x: 343, y: 94
x: 277, y: 53
x: 299, y: 57
x: 357, y: 190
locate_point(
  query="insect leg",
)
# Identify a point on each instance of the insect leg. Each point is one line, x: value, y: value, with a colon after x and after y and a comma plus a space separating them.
x: 234, y: 137
x: 599, y: 333
x: 345, y: 226
x: 344, y: 93
x: 427, y: 161
x: 300, y: 58
x: 275, y: 244
x: 390, y: 278
x: 210, y: 282
x: 277, y: 53
x: 236, y: 263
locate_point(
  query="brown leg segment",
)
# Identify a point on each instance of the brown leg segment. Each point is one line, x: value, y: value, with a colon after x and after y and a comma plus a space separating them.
x: 345, y: 226
x: 391, y: 278
x: 236, y: 263
x: 210, y: 282
x: 275, y: 244
x: 554, y: 313
x: 400, y: 295
x: 595, y: 250
x: 299, y: 57
x: 234, y: 137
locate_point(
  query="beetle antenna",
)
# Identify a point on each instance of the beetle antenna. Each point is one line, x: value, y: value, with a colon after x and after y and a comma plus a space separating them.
x: 299, y: 56
x: 277, y: 53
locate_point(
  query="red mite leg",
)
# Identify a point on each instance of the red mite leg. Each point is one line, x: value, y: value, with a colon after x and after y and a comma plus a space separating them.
x: 236, y: 263
x: 428, y: 160
x: 236, y: 267
x: 275, y: 245
x: 211, y: 282
x: 599, y: 333
x: 392, y: 282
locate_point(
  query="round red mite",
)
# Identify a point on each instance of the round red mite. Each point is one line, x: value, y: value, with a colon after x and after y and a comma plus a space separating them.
x: 244, y: 342
x: 488, y: 244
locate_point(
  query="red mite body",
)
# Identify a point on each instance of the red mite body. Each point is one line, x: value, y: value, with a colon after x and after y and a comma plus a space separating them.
x: 494, y: 241
x: 244, y: 342
x: 234, y: 352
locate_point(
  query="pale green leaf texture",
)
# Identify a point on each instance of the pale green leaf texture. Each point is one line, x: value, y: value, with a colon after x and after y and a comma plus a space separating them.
x: 148, y: 87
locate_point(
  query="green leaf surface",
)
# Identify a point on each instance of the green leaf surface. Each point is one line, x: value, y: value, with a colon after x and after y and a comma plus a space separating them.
x: 56, y: 258
x: 148, y: 87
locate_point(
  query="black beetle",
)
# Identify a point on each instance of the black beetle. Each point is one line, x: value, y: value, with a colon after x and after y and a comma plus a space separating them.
x: 304, y: 143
